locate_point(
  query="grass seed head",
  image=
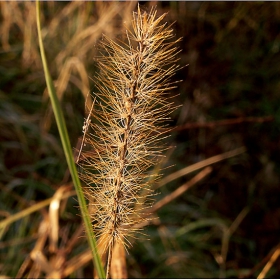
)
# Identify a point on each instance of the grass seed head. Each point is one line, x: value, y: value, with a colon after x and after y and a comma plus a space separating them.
x: 129, y: 118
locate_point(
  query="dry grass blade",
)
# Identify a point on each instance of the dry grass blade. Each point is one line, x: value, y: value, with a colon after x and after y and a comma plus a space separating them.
x: 54, y: 216
x: 179, y: 191
x: 77, y: 262
x: 118, y: 266
x: 270, y: 263
x: 200, y: 165
x: 40, y: 261
x: 226, y: 237
x: 85, y: 39
x: 263, y: 263
x: 214, y: 124
x: 29, y: 210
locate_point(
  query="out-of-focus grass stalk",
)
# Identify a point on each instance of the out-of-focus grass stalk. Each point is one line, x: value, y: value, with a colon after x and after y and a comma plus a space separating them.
x: 28, y: 211
x: 68, y: 152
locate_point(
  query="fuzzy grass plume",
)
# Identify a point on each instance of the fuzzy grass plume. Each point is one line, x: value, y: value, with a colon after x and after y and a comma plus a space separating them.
x: 128, y: 125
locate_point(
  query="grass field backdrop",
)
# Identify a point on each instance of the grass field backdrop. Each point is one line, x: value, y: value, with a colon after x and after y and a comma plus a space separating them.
x: 217, y: 211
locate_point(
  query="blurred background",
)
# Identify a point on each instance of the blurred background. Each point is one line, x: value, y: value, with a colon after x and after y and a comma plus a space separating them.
x: 227, y: 225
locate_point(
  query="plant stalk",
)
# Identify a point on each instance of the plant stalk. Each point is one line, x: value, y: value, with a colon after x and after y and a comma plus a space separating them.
x: 68, y: 152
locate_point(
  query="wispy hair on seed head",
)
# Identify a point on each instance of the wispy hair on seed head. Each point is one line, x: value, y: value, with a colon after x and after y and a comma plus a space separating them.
x: 129, y: 124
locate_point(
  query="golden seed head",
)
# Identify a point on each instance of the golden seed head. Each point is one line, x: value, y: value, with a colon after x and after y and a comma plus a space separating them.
x: 127, y: 131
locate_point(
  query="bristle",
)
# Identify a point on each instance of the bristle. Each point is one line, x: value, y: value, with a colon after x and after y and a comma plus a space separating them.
x: 128, y: 124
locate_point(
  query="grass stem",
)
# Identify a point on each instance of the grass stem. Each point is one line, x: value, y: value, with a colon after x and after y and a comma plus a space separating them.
x: 68, y: 151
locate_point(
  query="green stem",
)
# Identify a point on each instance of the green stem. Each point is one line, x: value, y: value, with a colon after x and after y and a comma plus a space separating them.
x: 68, y: 152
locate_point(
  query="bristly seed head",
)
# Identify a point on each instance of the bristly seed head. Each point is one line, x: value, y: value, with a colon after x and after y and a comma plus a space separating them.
x: 128, y: 123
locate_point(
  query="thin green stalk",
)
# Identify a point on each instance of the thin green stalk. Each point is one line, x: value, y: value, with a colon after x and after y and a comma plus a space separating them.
x: 68, y: 152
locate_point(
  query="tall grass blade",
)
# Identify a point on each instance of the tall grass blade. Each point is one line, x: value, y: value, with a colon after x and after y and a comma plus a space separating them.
x: 68, y: 151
